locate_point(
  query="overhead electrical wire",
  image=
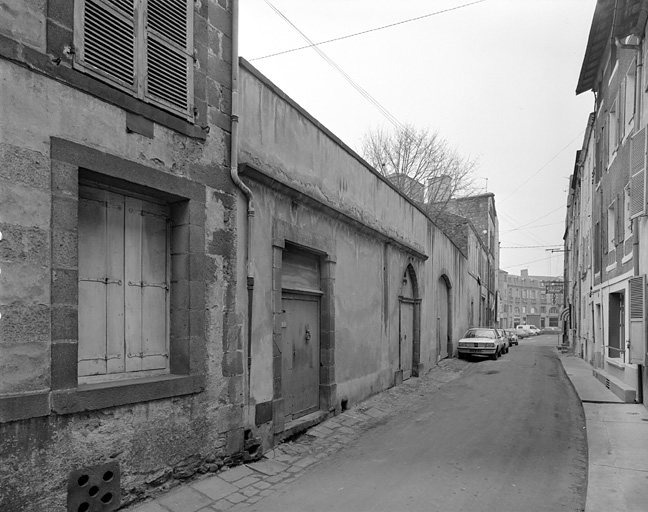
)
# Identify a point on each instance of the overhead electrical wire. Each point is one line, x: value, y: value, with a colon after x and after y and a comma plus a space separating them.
x: 541, y: 168
x: 388, y: 115
x: 527, y: 262
x: 368, y: 31
x: 530, y: 246
x: 545, y: 215
x: 532, y: 227
x: 528, y: 234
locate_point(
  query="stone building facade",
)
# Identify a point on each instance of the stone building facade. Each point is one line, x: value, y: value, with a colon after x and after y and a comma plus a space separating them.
x: 119, y: 343
x: 481, y: 212
x: 606, y: 224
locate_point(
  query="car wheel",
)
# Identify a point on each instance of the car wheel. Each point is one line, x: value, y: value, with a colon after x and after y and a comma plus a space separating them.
x: 494, y: 356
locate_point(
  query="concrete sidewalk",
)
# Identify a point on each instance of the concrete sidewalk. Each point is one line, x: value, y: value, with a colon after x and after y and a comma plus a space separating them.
x: 617, y: 440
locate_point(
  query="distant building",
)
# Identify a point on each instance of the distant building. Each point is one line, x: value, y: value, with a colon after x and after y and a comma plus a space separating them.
x: 481, y: 212
x: 411, y: 187
x: 524, y: 300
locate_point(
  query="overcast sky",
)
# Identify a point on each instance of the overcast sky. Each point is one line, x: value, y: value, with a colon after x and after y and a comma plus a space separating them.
x: 496, y: 78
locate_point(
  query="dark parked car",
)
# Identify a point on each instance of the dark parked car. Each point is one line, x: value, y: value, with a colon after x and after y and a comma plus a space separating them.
x: 512, y: 337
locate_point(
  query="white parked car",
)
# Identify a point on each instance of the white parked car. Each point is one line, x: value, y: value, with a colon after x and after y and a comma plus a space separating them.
x: 481, y: 341
x: 525, y: 330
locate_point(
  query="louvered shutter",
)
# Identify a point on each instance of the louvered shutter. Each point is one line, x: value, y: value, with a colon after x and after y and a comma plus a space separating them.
x: 598, y: 245
x: 169, y: 54
x: 637, y: 320
x: 637, y: 173
x: 105, y: 40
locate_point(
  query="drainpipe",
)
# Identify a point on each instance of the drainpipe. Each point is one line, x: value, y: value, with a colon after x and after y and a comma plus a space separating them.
x: 242, y: 186
x: 635, y: 222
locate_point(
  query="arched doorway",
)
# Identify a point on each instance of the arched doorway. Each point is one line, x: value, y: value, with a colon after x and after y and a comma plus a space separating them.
x: 445, y: 347
x: 408, y: 325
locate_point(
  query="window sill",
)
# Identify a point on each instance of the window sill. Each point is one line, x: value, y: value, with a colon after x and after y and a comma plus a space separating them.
x: 611, y: 267
x: 22, y: 407
x: 617, y: 364
x: 626, y: 258
x: 90, y: 397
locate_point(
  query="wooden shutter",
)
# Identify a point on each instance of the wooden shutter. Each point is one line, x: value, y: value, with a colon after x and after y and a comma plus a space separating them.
x: 169, y: 54
x: 105, y: 40
x: 637, y: 320
x: 637, y: 173
x: 146, y: 250
x: 155, y: 289
x: 101, y: 274
x: 92, y: 288
x: 598, y: 246
x: 620, y: 212
x: 123, y: 283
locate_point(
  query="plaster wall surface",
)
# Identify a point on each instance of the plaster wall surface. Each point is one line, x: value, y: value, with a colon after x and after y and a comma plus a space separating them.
x: 300, y: 174
x: 286, y: 143
x: 24, y: 21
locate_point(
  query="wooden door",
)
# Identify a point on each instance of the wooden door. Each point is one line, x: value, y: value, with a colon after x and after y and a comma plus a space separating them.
x: 300, y: 359
x: 444, y: 343
x: 406, y: 338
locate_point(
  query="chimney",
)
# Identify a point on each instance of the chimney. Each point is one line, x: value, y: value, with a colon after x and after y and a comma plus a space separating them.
x: 525, y: 272
x: 439, y: 189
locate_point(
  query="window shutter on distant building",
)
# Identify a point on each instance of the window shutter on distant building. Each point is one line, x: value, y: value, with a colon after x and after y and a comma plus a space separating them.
x: 620, y: 208
x: 637, y: 173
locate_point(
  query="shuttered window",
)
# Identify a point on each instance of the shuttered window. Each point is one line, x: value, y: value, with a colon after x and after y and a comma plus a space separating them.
x: 637, y: 173
x: 144, y: 47
x: 123, y: 284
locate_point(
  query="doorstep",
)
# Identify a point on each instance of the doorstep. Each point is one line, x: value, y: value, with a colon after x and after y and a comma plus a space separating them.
x: 302, y: 424
x: 621, y: 389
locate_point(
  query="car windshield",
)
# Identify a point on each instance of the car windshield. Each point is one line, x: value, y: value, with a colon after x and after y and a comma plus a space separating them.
x: 480, y: 333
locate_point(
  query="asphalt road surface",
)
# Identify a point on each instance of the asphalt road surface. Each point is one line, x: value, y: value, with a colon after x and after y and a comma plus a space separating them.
x: 508, y: 435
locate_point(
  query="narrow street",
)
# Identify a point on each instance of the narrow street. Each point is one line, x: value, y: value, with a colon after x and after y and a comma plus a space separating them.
x: 506, y: 436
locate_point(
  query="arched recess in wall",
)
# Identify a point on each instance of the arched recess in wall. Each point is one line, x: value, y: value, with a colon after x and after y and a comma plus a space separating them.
x: 409, y: 328
x: 444, y: 335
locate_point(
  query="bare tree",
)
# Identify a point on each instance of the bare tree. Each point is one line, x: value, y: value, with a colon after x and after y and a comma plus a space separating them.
x: 421, y: 164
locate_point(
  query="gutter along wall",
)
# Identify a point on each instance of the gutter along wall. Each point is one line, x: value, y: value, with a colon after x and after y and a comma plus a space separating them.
x: 380, y: 260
